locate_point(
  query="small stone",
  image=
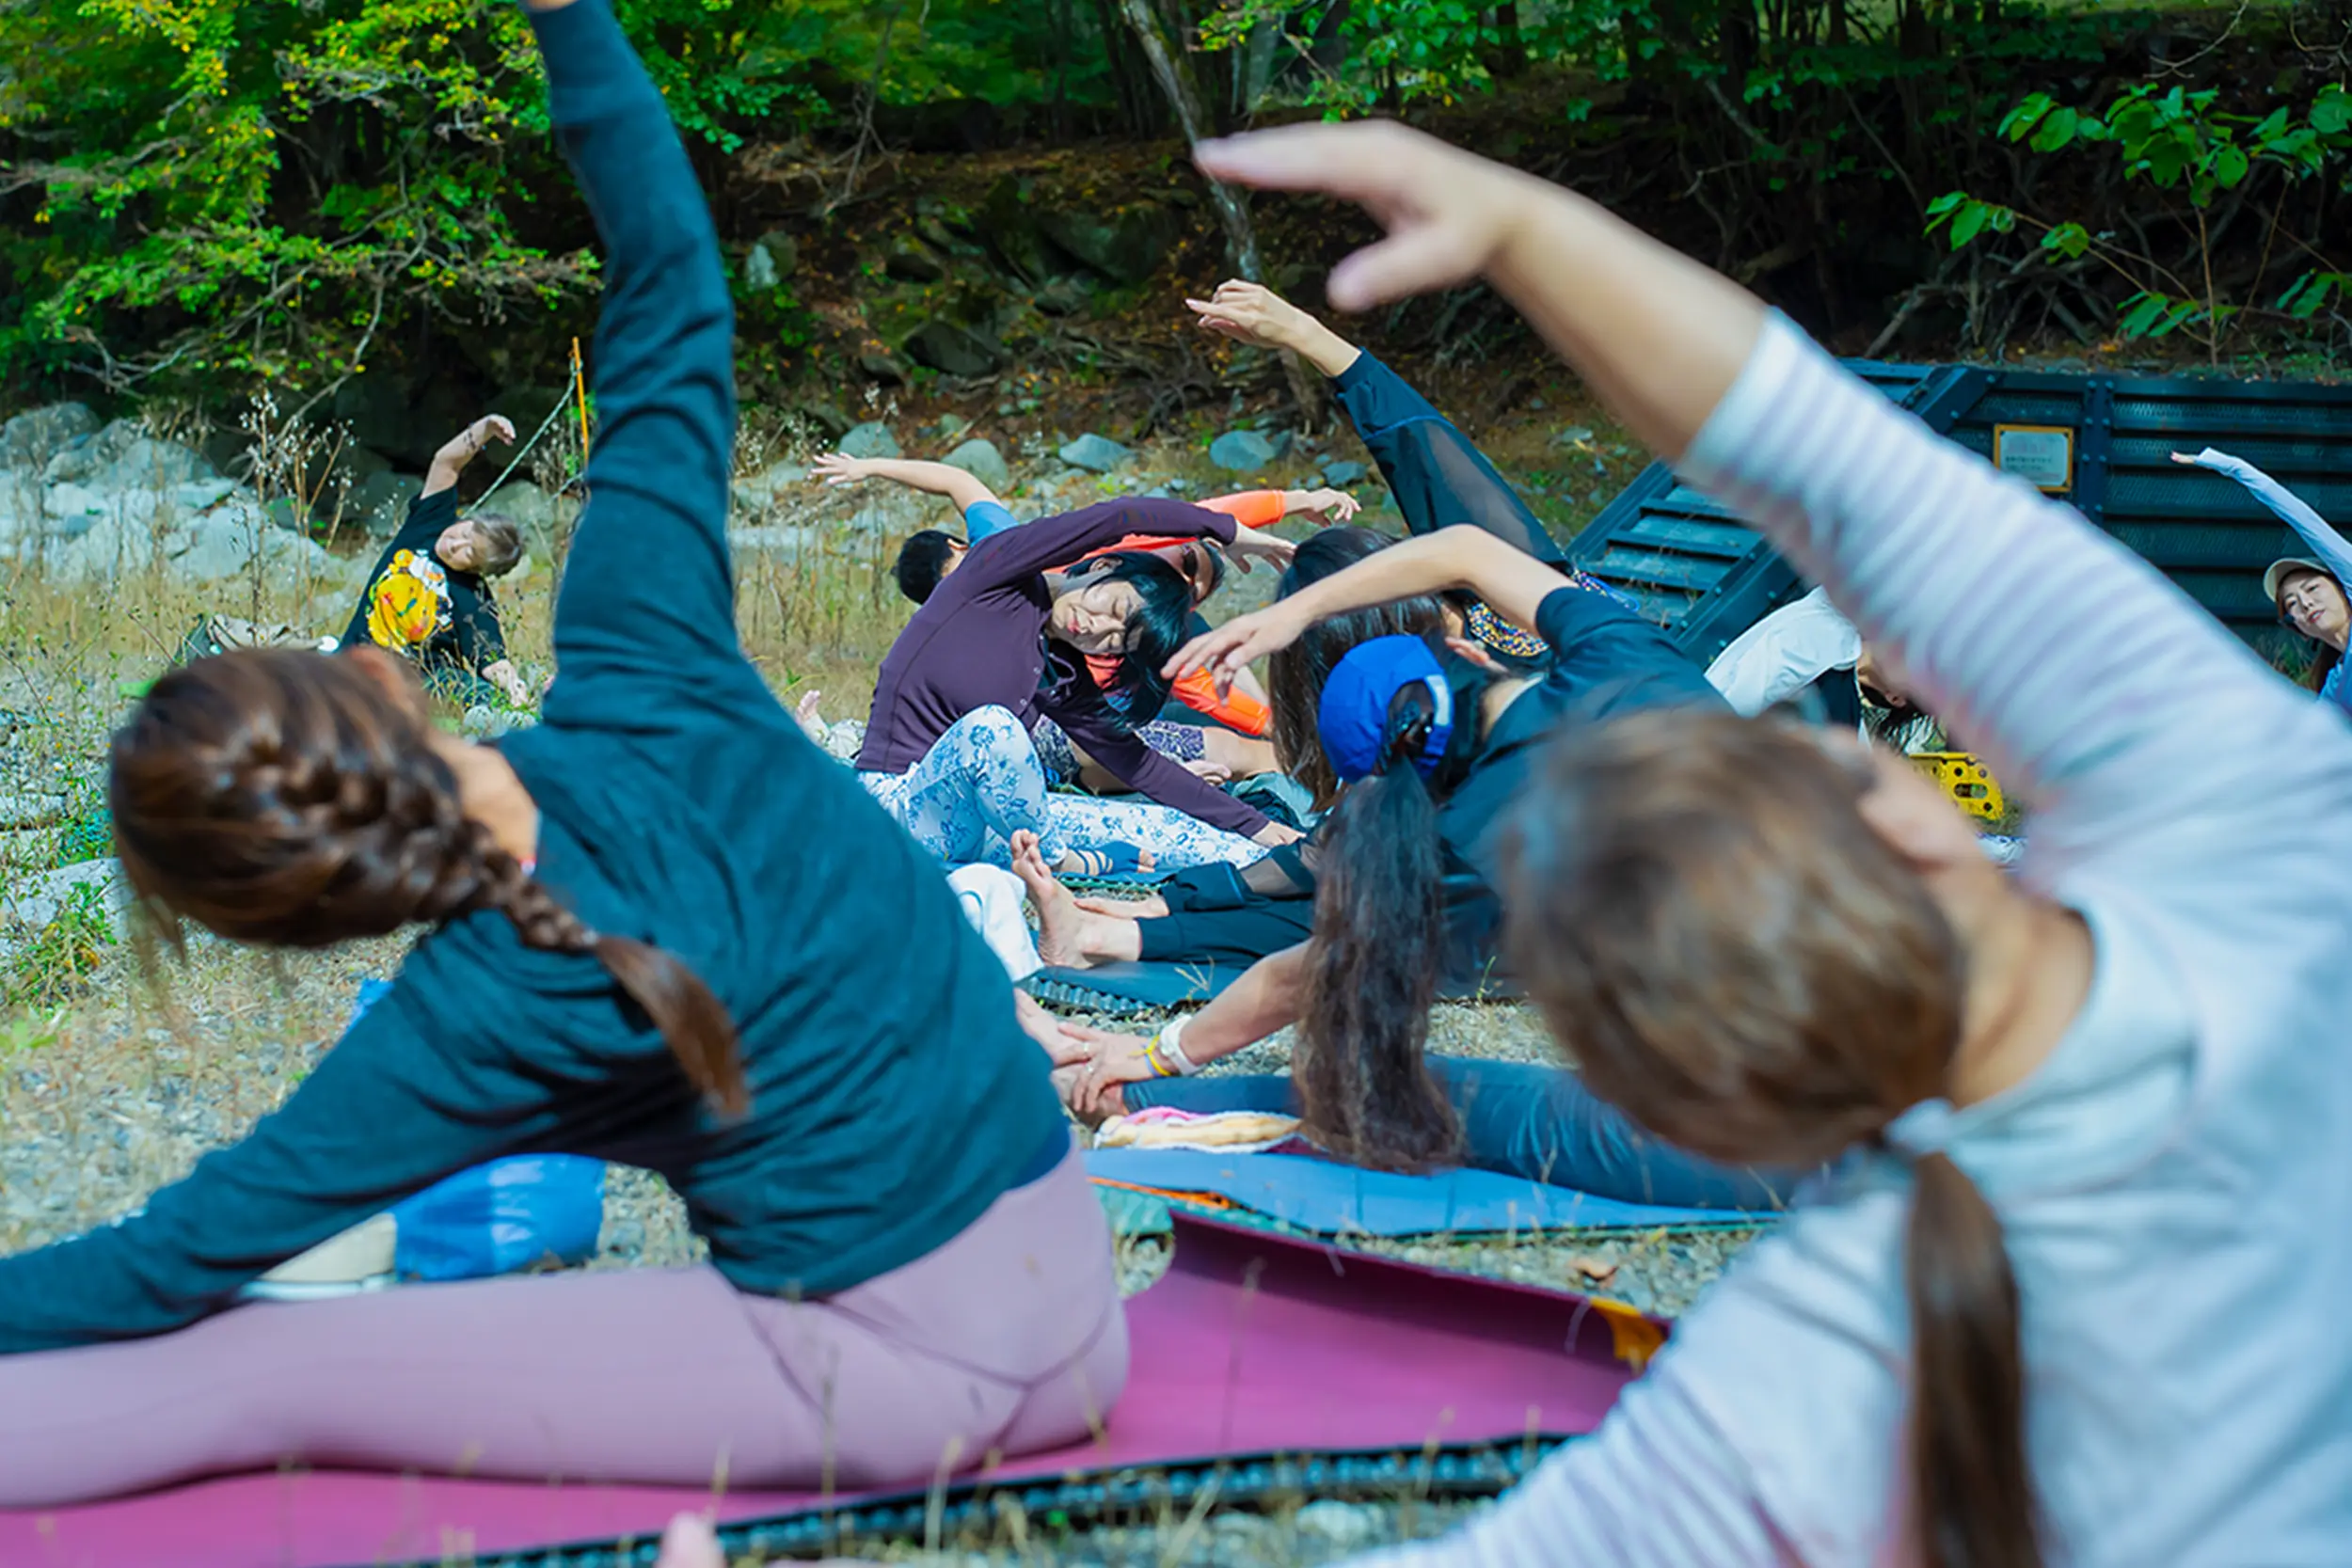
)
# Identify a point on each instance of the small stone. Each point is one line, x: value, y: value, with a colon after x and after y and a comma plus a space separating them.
x: 1096, y: 454
x: 1573, y: 436
x: 773, y: 256
x: 883, y: 366
x: 952, y: 349
x: 870, y: 440
x: 983, y: 462
x: 912, y: 262
x: 1178, y: 487
x: 1346, y: 1526
x: 1536, y: 405
x: 950, y: 426
x: 1345, y: 472
x: 1242, y: 451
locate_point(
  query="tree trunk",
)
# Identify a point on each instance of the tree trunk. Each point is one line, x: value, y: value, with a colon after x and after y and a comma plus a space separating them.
x: 1232, y: 211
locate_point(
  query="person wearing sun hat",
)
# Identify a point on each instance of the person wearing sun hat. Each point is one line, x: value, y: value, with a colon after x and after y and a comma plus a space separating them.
x: 2308, y: 589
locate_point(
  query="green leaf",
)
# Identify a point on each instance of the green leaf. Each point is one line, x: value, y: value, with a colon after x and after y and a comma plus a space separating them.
x: 2070, y: 240
x: 2056, y: 130
x: 2230, y: 166
x: 2331, y: 111
x: 2019, y: 122
x: 2144, y: 310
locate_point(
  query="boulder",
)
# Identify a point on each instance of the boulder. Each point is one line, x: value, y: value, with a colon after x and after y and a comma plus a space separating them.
x: 222, y: 543
x: 1010, y: 227
x: 202, y: 495
x: 1126, y: 244
x: 870, y: 440
x: 774, y: 257
x: 35, y: 436
x: 1096, y: 454
x: 532, y: 509
x: 1345, y: 472
x: 119, y: 543
x: 952, y: 349
x: 772, y: 541
x: 70, y: 509
x: 983, y: 462
x: 882, y: 365
x: 758, y: 492
x: 1061, y: 296
x: 379, y: 506
x: 20, y: 515
x: 1242, y: 451
x: 826, y: 418
x: 911, y: 261
x: 37, y: 900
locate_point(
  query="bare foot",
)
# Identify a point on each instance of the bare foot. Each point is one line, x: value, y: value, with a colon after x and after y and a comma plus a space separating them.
x: 1059, y: 917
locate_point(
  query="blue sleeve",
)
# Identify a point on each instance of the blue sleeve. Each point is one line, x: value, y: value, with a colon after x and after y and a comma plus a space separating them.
x: 1607, y: 659
x: 1438, y: 478
x: 2332, y: 547
x: 982, y: 518
x: 649, y: 589
x: 365, y: 1129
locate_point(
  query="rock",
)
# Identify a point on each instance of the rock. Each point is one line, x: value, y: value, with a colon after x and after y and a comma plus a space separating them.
x: 825, y: 416
x: 952, y: 349
x: 870, y: 440
x: 1125, y: 245
x: 36, y: 901
x: 124, y: 456
x: 1346, y: 1526
x: 379, y: 409
x: 776, y: 541
x: 912, y: 262
x: 881, y: 365
x: 1096, y: 454
x: 530, y: 508
x: 20, y: 518
x: 1062, y: 296
x: 1343, y: 473
x: 30, y: 810
x: 759, y: 491
x: 120, y: 541
x: 38, y: 434
x: 1573, y: 436
x: 1242, y: 451
x: 774, y: 256
x: 1010, y: 227
x: 983, y: 462
x: 950, y: 426
x: 202, y: 495
x: 221, y: 543
x: 227, y: 449
x: 72, y: 508
x: 380, y: 506
x: 1178, y: 487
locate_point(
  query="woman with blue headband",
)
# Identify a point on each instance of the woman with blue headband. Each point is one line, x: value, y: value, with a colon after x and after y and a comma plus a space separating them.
x: 1433, y: 738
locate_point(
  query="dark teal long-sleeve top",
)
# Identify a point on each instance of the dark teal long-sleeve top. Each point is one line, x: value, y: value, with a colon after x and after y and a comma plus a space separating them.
x: 894, y: 1096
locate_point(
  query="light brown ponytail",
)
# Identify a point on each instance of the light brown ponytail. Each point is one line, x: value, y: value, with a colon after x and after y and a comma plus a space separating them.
x: 280, y: 797
x: 1972, y: 1488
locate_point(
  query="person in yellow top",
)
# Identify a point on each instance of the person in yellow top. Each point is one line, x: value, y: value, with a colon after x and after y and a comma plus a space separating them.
x: 428, y: 597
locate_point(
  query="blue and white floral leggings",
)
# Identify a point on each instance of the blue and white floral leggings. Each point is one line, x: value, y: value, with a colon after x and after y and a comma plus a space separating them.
x: 981, y: 782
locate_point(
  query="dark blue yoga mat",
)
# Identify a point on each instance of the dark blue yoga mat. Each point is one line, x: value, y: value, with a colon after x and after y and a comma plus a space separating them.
x: 1331, y: 1198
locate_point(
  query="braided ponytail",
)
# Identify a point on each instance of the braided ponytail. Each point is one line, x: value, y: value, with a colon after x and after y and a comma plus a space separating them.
x: 281, y: 797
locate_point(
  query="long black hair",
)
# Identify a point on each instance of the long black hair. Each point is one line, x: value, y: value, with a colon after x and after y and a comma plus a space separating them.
x: 1155, y: 629
x: 1295, y: 675
x: 1379, y: 950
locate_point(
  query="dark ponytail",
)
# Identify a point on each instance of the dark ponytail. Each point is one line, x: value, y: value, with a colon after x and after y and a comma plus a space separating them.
x: 2325, y: 657
x: 1373, y: 967
x: 280, y: 797
x: 1972, y: 1488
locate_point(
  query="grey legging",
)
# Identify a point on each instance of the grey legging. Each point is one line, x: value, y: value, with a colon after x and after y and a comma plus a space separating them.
x: 1527, y: 1120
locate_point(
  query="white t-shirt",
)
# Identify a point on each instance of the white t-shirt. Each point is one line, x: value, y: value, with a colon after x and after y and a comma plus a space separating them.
x: 1783, y: 653
x: 2175, y: 1183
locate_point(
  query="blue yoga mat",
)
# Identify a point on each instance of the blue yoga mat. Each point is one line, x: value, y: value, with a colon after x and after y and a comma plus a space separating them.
x: 1330, y: 1198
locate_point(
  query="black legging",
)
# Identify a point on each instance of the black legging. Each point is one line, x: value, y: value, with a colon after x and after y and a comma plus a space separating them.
x: 1527, y: 1120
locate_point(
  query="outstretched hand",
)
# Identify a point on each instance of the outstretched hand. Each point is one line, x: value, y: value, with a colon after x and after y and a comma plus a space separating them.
x: 839, y: 468
x: 1251, y: 546
x: 1249, y: 314
x: 1447, y: 212
x: 1226, y: 651
x: 1327, y: 505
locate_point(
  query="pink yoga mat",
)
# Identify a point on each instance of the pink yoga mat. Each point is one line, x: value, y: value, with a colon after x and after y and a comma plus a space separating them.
x: 1253, y: 1343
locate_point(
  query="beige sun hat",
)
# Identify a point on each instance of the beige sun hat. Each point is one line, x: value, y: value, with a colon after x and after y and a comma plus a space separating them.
x: 2279, y: 568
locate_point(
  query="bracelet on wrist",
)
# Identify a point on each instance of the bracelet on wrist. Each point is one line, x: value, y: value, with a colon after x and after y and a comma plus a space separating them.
x: 1169, y: 1046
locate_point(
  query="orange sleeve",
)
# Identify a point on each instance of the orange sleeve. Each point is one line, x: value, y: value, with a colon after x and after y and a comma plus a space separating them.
x: 1198, y: 691
x: 1249, y: 508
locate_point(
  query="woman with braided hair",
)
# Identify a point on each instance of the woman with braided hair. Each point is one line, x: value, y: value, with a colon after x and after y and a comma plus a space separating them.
x: 650, y: 939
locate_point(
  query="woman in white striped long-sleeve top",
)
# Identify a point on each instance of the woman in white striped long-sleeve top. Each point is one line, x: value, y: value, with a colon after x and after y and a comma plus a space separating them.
x: 2075, y: 1292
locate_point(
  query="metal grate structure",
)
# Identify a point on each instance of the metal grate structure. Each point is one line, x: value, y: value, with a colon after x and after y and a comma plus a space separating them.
x: 2100, y: 443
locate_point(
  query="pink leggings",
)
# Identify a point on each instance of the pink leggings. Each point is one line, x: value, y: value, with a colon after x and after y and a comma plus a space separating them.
x: 1010, y: 1337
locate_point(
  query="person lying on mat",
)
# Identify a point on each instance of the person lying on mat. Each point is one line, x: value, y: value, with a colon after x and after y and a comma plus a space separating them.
x: 428, y: 595
x: 947, y: 748
x: 2309, y: 591
x: 1770, y: 942
x: 637, y: 950
x: 1806, y: 657
x: 1432, y: 739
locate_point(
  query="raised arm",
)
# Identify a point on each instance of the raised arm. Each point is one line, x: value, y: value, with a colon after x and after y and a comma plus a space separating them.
x: 1511, y: 582
x: 1051, y: 543
x: 963, y: 491
x: 647, y: 587
x: 2332, y: 548
x: 2079, y: 672
x: 462, y: 449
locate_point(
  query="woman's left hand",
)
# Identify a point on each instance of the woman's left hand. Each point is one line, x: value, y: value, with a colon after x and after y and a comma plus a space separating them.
x: 839, y: 468
x: 1251, y: 546
x: 1226, y: 651
x: 1327, y: 505
x: 1065, y: 1043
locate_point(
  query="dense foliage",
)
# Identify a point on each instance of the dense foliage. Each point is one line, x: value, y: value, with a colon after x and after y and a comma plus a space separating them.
x: 201, y: 192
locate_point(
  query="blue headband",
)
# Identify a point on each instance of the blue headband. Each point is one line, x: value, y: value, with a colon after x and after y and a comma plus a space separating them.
x: 1353, y: 717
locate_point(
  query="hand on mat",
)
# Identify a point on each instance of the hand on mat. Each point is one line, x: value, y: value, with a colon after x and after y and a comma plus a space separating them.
x: 1152, y: 908
x: 1226, y: 651
x: 1448, y: 213
x: 839, y: 468
x: 1275, y: 835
